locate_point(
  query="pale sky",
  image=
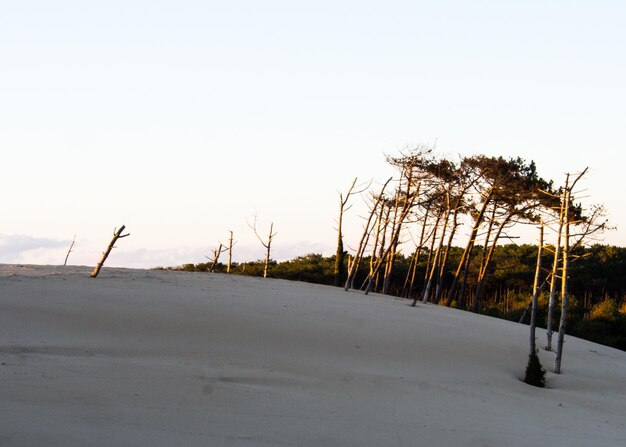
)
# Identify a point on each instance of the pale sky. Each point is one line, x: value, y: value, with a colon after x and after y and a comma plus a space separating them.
x: 182, y: 119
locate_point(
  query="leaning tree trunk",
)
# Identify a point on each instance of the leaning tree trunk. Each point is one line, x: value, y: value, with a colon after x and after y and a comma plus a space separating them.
x: 363, y: 242
x: 433, y: 275
x: 116, y: 235
x: 444, y: 259
x: 356, y: 262
x: 69, y: 250
x: 467, y: 252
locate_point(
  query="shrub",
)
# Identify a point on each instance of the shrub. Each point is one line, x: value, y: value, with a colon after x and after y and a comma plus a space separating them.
x: 605, y: 310
x: 535, y: 374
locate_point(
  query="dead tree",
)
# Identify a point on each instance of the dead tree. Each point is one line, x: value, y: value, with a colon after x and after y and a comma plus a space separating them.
x: 267, y: 245
x: 555, y: 265
x: 536, y: 291
x: 367, y: 230
x: 216, y: 256
x: 564, y: 285
x: 340, y: 254
x: 407, y: 204
x: 69, y: 250
x: 117, y: 234
x: 567, y: 217
x: 230, y: 252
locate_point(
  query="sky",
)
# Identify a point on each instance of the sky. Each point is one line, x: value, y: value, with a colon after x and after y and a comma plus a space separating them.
x: 185, y: 119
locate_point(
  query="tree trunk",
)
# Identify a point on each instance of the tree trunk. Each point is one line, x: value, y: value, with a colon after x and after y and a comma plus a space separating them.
x: 467, y: 252
x: 116, y: 235
x: 486, y: 261
x: 555, y: 266
x: 564, y: 290
x: 69, y: 250
x: 435, y: 264
x: 230, y: 253
x: 536, y: 291
x: 363, y: 242
x: 418, y: 251
x: 267, y: 253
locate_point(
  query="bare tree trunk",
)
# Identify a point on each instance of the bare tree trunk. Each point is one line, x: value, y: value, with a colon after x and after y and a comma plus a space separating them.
x: 564, y: 290
x: 379, y: 244
x: 230, y: 253
x: 69, y: 250
x: 216, y: 256
x: 536, y: 292
x: 267, y: 245
x: 410, y: 273
x: 393, y: 241
x: 413, y: 271
x: 431, y: 254
x: 435, y: 264
x: 486, y: 261
x: 389, y: 260
x: 270, y: 237
x: 117, y: 234
x: 555, y: 266
x: 461, y: 302
x: 363, y: 242
x: 468, y: 251
x: 340, y: 268
x: 444, y: 260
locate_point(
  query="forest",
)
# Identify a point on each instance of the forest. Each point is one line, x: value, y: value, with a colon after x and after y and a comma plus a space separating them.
x: 441, y: 230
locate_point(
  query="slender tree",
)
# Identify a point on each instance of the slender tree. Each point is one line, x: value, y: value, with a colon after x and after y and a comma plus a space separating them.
x: 340, y: 267
x: 231, y: 243
x: 266, y: 243
x: 69, y: 250
x: 216, y: 256
x: 536, y: 292
x: 367, y: 230
x: 117, y: 234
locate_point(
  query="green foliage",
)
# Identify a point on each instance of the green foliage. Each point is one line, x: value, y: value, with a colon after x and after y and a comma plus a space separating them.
x: 535, y: 374
x: 597, y: 286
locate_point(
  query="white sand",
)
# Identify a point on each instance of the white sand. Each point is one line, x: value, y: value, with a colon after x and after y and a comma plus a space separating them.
x: 148, y: 358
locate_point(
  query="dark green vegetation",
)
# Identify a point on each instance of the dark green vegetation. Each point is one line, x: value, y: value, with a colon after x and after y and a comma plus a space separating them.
x: 597, y: 284
x: 535, y: 374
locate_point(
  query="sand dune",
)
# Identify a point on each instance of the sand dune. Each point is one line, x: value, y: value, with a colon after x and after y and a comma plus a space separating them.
x: 156, y: 358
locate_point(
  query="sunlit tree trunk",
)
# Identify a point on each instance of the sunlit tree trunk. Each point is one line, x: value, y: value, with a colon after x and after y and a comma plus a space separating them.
x: 536, y: 292
x: 564, y: 287
x: 464, y: 261
x: 117, y: 234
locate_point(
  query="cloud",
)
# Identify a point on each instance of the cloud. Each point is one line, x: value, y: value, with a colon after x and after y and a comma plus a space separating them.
x: 25, y: 249
x: 19, y: 248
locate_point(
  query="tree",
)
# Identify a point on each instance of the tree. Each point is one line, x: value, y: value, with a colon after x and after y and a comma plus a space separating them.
x: 536, y: 292
x: 216, y: 256
x: 507, y: 192
x: 367, y: 230
x: 589, y: 225
x: 340, y: 263
x: 69, y: 250
x: 230, y: 252
x: 267, y: 244
x: 117, y: 234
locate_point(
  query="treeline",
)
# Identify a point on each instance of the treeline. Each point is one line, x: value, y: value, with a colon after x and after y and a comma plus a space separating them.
x: 597, y: 290
x: 414, y: 223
